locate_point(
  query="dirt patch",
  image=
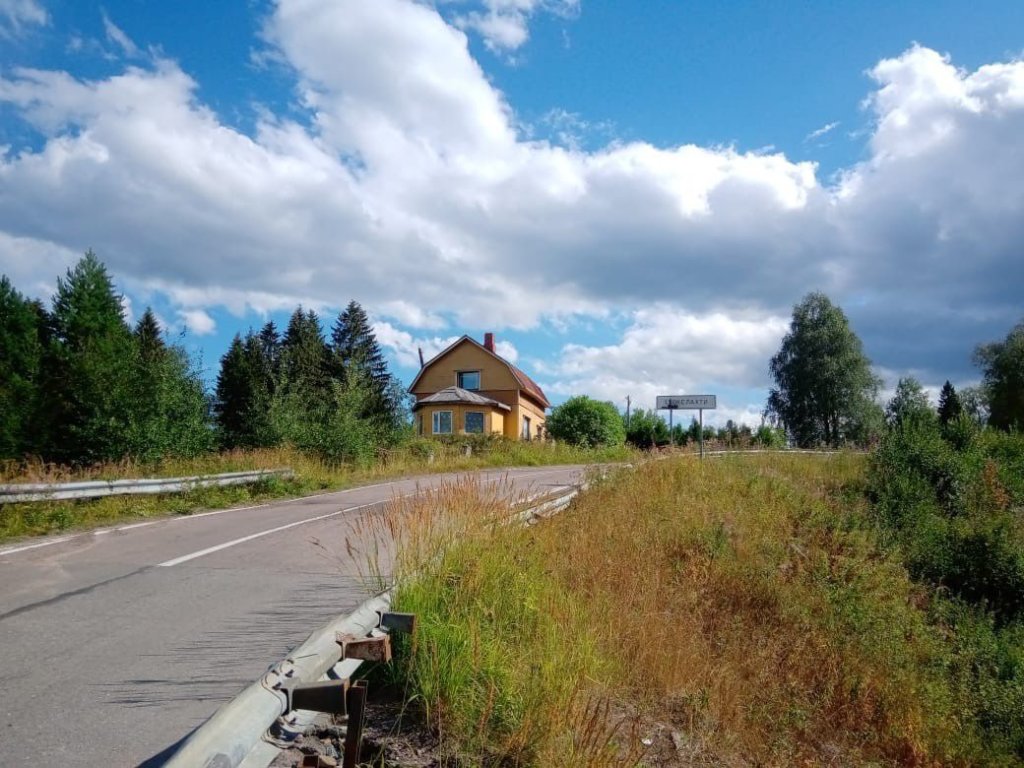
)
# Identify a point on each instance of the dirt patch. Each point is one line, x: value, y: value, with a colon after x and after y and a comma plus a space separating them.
x: 393, y: 737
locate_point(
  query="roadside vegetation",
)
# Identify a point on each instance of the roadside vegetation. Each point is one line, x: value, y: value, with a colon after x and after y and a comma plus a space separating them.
x: 313, y: 474
x: 772, y: 610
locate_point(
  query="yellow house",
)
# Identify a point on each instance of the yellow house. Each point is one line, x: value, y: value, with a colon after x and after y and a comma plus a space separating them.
x: 468, y: 388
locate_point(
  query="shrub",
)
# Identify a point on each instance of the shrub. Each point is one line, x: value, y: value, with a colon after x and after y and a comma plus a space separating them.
x: 647, y: 429
x: 586, y: 422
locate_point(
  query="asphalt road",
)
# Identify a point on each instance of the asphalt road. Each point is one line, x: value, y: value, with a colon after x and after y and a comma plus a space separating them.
x: 118, y: 643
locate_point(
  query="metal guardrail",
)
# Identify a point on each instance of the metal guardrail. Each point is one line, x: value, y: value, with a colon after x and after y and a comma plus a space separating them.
x: 252, y: 729
x: 23, y: 492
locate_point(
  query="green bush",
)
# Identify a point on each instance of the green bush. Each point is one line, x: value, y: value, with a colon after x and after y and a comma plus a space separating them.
x: 769, y: 437
x: 950, y: 512
x: 647, y: 429
x: 586, y: 422
x: 949, y: 500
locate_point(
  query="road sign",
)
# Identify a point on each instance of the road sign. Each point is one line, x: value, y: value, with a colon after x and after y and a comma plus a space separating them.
x: 687, y: 402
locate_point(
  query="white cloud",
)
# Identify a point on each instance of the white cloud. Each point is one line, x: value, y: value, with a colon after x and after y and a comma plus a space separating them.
x: 504, y: 24
x: 413, y: 192
x: 17, y: 15
x: 669, y: 351
x: 117, y: 36
x: 817, y: 133
x: 507, y: 350
x: 405, y: 347
x: 197, y: 321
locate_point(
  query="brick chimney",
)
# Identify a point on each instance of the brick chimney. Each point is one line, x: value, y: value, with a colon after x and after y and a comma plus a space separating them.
x: 489, y: 342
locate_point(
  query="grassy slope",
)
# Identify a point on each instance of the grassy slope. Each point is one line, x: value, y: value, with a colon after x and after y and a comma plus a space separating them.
x: 312, y: 475
x: 742, y: 604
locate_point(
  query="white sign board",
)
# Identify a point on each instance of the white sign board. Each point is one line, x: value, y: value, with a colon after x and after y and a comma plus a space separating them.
x: 687, y: 402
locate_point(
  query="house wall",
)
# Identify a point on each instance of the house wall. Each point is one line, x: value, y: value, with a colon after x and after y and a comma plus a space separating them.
x: 525, y: 407
x: 494, y: 419
x: 496, y: 380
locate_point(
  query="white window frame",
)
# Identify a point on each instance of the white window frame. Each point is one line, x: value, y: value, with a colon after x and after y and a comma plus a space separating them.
x: 479, y: 380
x: 483, y: 422
x: 435, y: 422
x: 526, y: 427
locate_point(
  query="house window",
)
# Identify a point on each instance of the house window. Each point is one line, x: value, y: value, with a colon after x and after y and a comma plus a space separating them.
x: 469, y: 379
x: 442, y: 422
x: 474, y: 422
x: 526, y: 427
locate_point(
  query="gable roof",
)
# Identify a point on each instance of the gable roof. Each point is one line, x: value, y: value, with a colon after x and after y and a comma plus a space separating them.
x: 527, y: 384
x: 459, y: 396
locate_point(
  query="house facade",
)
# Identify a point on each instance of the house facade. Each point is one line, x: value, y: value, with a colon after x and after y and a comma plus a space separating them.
x: 468, y: 388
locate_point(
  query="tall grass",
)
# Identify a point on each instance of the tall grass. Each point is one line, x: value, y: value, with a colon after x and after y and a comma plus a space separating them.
x: 742, y: 605
x: 312, y: 474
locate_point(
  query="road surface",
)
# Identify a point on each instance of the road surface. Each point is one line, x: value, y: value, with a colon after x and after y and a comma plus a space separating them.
x: 118, y: 643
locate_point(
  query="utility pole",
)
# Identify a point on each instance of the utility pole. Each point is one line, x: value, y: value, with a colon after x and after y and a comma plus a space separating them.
x: 629, y: 402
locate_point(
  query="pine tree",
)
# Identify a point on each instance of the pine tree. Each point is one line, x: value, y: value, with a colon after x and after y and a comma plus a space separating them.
x: 233, y: 396
x: 950, y: 406
x: 261, y: 356
x: 354, y: 344
x: 304, y: 356
x: 20, y: 359
x: 149, y: 337
x: 87, y: 386
x: 270, y: 344
x: 357, y: 356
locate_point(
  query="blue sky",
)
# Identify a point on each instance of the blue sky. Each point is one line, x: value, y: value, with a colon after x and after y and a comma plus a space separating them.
x: 631, y: 195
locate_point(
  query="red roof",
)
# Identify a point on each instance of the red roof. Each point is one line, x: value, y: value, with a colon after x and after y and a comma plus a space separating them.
x: 527, y: 383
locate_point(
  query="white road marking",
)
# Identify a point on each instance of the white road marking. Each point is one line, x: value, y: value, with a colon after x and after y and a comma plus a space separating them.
x: 180, y: 518
x: 47, y: 543
x: 268, y: 532
x: 133, y: 526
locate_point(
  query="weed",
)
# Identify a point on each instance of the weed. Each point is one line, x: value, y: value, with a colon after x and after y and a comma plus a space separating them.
x: 746, y: 604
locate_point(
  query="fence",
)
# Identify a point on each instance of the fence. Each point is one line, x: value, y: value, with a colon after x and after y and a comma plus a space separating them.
x: 24, y: 492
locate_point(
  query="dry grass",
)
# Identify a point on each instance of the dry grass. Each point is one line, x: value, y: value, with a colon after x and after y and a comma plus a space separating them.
x: 312, y: 474
x: 730, y: 612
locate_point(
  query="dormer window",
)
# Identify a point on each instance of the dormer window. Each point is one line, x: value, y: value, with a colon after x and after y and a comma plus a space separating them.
x: 469, y: 380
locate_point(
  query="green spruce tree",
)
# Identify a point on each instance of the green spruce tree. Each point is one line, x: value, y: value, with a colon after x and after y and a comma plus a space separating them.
x: 20, y: 360
x: 233, y: 397
x: 950, y: 406
x: 358, y: 358
x: 87, y: 389
x: 305, y: 357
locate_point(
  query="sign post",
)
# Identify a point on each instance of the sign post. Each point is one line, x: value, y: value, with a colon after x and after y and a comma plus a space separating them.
x: 697, y: 403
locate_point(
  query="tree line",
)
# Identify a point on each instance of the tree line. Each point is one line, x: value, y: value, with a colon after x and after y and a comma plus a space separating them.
x: 825, y: 393
x: 79, y: 385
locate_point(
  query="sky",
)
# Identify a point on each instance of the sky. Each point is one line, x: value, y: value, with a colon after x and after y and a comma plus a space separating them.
x: 631, y: 196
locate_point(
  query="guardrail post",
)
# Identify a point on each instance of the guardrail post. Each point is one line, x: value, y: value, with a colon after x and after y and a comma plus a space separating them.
x: 356, y: 701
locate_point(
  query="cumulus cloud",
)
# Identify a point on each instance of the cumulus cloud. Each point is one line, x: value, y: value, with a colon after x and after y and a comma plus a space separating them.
x: 412, y: 189
x: 17, y: 15
x: 406, y: 348
x: 197, y: 322
x: 670, y: 351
